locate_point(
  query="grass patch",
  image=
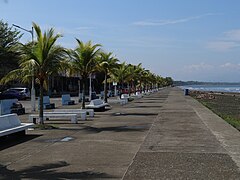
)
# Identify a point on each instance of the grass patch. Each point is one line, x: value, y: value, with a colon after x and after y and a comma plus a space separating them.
x: 225, y: 105
x: 233, y: 121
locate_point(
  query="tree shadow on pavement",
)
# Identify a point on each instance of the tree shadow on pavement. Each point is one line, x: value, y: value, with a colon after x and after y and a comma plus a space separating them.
x: 15, y: 139
x: 117, y: 128
x: 49, y: 171
x: 144, y: 106
x: 134, y: 114
x: 151, y: 102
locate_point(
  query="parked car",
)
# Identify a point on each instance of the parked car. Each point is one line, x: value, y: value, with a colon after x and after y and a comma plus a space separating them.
x: 25, y: 92
x: 94, y: 96
x: 11, y: 94
x: 110, y: 93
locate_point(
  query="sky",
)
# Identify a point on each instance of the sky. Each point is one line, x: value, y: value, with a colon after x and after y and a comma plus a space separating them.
x: 183, y: 39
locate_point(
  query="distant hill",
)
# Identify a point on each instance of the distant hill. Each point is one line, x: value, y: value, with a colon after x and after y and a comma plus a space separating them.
x: 185, y: 83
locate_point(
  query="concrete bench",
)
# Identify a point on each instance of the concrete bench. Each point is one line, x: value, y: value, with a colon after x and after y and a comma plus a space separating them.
x: 125, y: 97
x: 137, y: 95
x: 66, y: 100
x: 5, y: 106
x: 118, y: 100
x: 49, y: 115
x: 46, y: 103
x: 80, y: 114
x: 90, y: 112
x: 10, y: 124
x: 98, y: 105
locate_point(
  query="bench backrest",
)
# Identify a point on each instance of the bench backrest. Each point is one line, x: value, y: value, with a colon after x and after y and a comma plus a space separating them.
x: 46, y: 100
x: 67, y: 110
x: 125, y: 96
x: 9, y: 121
x: 5, y: 105
x: 66, y: 98
x: 96, y: 102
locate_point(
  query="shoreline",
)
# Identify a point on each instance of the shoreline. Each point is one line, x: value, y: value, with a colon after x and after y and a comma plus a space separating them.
x: 224, y: 104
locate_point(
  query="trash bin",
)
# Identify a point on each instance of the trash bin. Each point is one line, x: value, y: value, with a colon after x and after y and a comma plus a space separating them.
x: 186, y: 92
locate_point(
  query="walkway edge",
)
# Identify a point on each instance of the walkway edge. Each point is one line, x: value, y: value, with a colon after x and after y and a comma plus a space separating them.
x: 140, y: 146
x: 228, y: 136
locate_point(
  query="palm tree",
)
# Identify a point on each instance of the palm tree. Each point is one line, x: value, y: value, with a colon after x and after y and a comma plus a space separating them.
x: 145, y: 79
x: 134, y: 75
x: 43, y: 57
x: 121, y: 74
x: 107, y: 63
x: 84, y: 61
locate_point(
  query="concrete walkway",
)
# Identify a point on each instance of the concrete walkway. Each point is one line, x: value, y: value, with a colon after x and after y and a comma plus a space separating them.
x: 187, y: 141
x: 162, y: 136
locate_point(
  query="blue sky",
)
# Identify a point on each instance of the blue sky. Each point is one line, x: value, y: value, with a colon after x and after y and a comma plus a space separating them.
x: 184, y: 39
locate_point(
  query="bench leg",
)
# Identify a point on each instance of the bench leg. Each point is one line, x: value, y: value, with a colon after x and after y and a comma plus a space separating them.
x: 30, y: 119
x: 34, y: 120
x: 74, y: 119
x: 91, y: 113
x: 83, y: 116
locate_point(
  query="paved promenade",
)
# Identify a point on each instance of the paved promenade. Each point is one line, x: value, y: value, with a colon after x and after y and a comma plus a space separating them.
x: 162, y: 136
x: 187, y: 141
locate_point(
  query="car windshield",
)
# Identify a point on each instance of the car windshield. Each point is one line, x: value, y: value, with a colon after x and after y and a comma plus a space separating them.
x: 16, y: 89
x: 25, y: 90
x: 10, y: 91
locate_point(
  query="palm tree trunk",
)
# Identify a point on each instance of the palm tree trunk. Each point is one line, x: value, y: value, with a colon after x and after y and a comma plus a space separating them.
x: 41, y: 103
x: 140, y: 86
x: 105, y: 87
x: 83, y: 93
x: 129, y: 89
x: 134, y: 87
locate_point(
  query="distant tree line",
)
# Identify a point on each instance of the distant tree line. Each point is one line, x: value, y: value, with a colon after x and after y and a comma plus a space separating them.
x: 185, y: 83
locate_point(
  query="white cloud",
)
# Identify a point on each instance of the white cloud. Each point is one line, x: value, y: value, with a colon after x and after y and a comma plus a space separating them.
x: 173, y: 21
x: 84, y: 28
x: 229, y: 40
x: 222, y: 46
x: 233, y: 35
x: 230, y: 66
x: 198, y: 67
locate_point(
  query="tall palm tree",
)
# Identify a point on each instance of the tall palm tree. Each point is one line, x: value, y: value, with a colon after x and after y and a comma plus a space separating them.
x: 84, y: 58
x: 134, y: 75
x: 122, y: 74
x: 107, y: 63
x: 43, y: 57
x: 145, y: 79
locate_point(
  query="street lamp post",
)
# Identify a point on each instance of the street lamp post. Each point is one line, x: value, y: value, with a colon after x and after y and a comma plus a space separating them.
x: 32, y: 89
x: 90, y: 87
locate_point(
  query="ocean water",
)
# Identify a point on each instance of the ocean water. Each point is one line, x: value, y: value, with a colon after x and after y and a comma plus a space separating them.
x: 215, y: 88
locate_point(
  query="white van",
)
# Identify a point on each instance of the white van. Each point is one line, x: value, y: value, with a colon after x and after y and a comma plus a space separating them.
x: 24, y: 91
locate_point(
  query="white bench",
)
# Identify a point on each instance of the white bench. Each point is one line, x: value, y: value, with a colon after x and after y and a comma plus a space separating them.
x: 87, y: 111
x: 125, y: 96
x: 10, y: 124
x: 48, y: 115
x: 5, y: 106
x: 98, y: 104
x: 66, y: 100
x: 80, y: 114
x: 46, y: 103
x: 137, y: 95
x: 118, y: 100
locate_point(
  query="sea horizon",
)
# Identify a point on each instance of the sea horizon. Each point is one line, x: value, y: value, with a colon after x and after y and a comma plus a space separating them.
x: 213, y: 87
